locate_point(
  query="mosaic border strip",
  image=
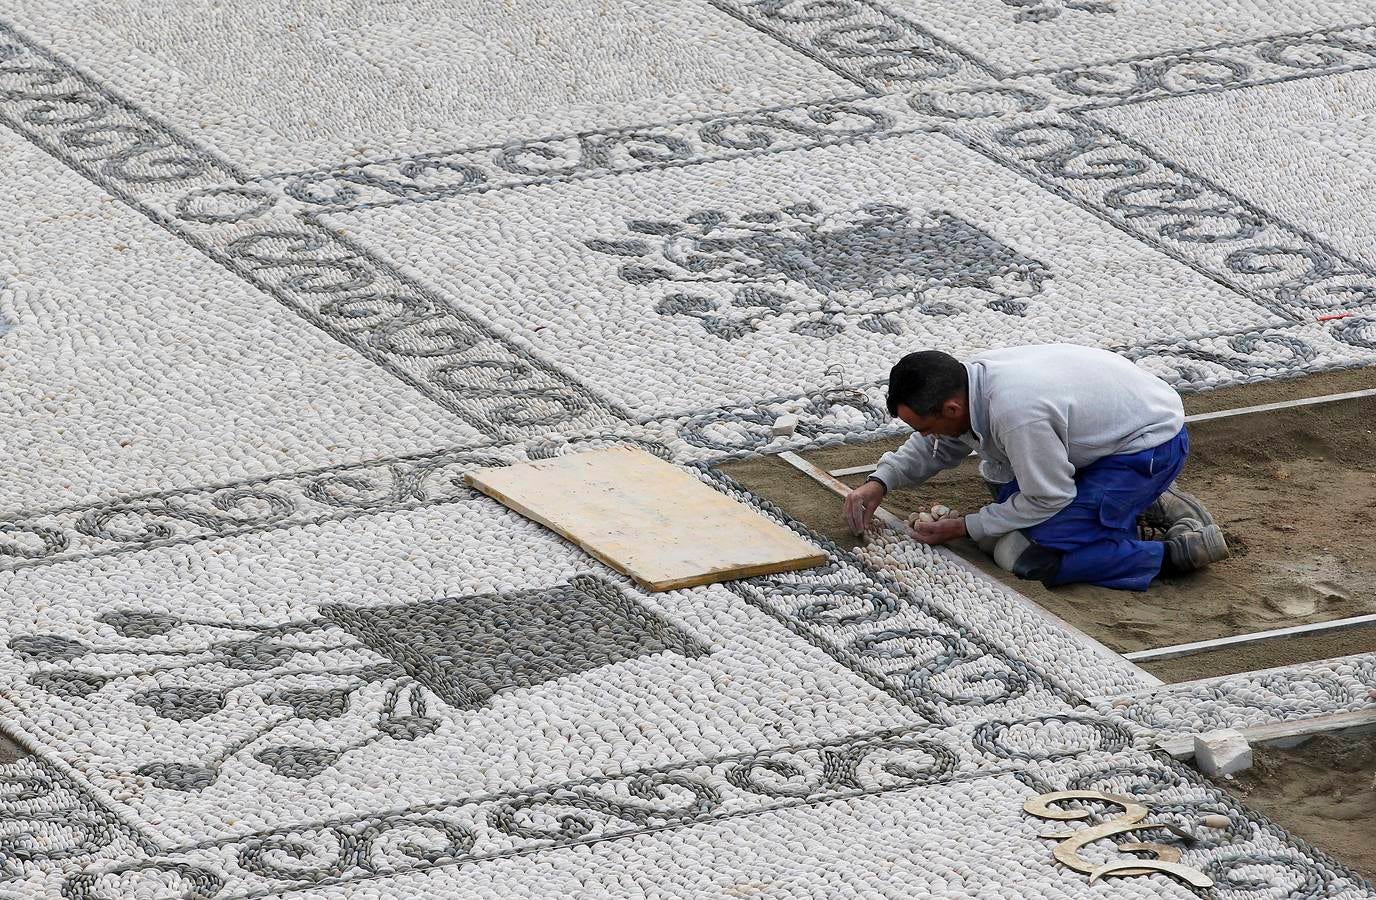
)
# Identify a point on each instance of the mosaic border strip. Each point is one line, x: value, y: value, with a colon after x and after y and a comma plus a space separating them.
x: 168, y: 518
x: 1237, y: 61
x: 1181, y: 214
x: 541, y: 160
x: 455, y: 360
x: 1263, y: 354
x: 588, y: 811
x: 590, y: 154
x: 48, y: 822
x: 859, y: 40
x: 988, y: 609
x: 598, y: 810
x: 883, y: 632
x: 1248, y: 699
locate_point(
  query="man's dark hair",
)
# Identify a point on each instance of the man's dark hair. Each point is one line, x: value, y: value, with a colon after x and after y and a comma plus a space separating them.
x: 925, y: 380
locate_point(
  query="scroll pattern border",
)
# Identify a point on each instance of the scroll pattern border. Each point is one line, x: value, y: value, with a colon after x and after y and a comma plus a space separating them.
x: 454, y: 359
x: 169, y: 518
x: 588, y: 812
x: 516, y: 163
x: 467, y: 831
x: 49, y: 823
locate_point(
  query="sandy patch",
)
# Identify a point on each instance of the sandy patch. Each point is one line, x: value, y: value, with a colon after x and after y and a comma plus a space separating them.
x: 1323, y: 790
x: 1294, y: 490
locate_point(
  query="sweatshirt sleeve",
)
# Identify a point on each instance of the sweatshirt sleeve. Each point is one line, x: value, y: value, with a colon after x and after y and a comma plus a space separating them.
x: 914, y: 462
x: 1046, y: 482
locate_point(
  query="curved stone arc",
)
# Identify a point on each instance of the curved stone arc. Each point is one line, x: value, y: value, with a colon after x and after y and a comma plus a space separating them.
x: 1111, y: 737
x: 581, y: 812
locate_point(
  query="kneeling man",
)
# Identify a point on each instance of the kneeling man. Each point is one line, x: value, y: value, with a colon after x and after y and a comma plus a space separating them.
x: 1076, y: 443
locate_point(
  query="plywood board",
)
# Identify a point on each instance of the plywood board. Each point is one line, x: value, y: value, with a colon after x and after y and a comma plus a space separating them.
x: 647, y: 518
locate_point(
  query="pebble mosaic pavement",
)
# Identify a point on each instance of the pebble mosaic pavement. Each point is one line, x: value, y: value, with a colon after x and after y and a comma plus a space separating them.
x: 275, y: 276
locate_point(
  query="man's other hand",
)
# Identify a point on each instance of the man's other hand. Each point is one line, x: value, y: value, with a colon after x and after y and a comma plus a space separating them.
x: 940, y: 532
x: 861, y: 504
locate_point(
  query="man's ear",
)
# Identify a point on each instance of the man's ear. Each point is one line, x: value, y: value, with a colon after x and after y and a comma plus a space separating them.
x: 953, y: 408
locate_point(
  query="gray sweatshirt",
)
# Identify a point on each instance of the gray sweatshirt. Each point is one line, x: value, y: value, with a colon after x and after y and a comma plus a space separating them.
x: 1038, y: 414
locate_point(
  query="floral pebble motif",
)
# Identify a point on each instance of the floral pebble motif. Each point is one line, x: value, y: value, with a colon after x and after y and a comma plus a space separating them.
x: 821, y: 273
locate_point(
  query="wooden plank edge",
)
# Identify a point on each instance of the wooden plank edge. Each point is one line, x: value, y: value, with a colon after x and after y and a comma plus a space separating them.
x: 1183, y: 747
x: 774, y: 568
x: 1282, y: 404
x: 824, y: 478
x: 851, y: 470
x: 770, y: 568
x: 1177, y: 650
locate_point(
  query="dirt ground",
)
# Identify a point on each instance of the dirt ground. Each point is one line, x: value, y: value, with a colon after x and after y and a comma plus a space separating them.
x: 1323, y: 790
x: 1268, y: 654
x: 1283, y: 389
x: 1294, y: 490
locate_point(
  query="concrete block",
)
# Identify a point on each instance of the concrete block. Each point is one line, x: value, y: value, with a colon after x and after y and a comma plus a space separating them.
x: 1222, y: 752
x: 785, y: 425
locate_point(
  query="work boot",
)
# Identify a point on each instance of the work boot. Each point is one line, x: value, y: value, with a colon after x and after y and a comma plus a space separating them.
x: 1175, y: 506
x: 1188, y: 550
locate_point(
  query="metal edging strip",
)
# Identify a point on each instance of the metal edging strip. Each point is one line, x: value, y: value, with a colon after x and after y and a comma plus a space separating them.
x: 1235, y: 640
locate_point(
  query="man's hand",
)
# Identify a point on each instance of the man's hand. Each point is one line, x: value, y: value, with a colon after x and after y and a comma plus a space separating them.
x: 940, y: 532
x: 861, y: 504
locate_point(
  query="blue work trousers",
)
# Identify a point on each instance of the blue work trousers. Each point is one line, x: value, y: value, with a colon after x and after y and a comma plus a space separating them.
x: 1096, y: 535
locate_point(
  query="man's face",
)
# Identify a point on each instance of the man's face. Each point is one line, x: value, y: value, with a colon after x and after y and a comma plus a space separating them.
x: 949, y: 421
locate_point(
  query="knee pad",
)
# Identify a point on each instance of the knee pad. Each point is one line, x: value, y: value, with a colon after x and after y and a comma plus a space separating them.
x: 1028, y: 560
x: 1008, y: 548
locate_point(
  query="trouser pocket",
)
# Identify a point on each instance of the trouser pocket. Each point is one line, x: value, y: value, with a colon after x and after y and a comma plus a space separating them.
x: 1119, y: 509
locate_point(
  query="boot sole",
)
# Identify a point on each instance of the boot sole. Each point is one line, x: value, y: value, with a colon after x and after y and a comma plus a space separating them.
x: 1215, y: 544
x: 1197, y: 513
x: 1199, y: 548
x: 1204, y: 546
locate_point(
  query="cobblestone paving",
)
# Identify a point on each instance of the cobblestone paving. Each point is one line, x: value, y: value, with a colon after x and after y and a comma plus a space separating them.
x: 278, y: 275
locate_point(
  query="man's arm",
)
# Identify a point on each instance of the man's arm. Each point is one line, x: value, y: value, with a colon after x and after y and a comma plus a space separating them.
x: 1046, y: 483
x: 914, y: 462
